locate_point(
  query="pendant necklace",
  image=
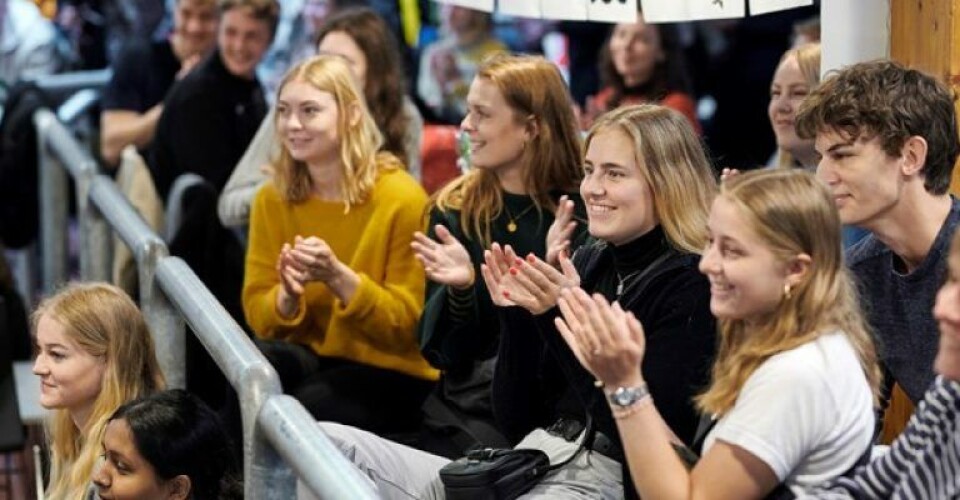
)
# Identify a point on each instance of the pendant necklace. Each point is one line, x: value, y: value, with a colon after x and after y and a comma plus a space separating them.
x: 621, y: 281
x: 512, y: 223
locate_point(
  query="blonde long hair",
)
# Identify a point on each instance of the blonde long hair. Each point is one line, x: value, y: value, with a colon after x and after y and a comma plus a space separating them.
x: 673, y: 163
x: 808, y: 58
x: 793, y: 214
x: 532, y: 87
x: 103, y: 321
x: 360, y: 141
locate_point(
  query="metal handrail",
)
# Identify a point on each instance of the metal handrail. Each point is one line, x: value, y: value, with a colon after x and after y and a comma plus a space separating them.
x: 278, y: 433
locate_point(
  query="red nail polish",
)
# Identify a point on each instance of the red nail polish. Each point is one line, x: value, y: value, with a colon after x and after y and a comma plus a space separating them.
x: 513, y: 271
x: 506, y: 294
x: 519, y: 261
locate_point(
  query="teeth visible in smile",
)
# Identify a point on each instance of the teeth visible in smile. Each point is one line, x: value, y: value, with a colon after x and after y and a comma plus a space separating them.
x: 599, y: 208
x: 716, y: 288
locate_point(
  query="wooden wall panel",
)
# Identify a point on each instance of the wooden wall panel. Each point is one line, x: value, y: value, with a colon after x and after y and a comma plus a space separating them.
x: 925, y: 34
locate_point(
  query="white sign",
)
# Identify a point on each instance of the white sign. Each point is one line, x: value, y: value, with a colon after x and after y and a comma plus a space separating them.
x: 673, y: 11
x: 484, y: 5
x: 568, y: 10
x: 522, y: 8
x: 612, y: 11
x: 758, y: 7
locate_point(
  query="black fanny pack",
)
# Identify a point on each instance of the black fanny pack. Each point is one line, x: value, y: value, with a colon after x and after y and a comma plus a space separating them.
x: 502, y: 474
x: 494, y: 474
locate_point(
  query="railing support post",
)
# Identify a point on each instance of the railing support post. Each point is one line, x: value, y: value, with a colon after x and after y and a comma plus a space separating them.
x: 166, y: 325
x: 53, y: 200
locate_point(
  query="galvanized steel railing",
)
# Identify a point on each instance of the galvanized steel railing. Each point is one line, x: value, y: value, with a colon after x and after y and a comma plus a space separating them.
x: 280, y: 439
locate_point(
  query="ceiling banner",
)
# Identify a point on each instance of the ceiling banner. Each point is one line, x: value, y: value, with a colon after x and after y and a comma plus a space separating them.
x: 522, y: 8
x: 567, y: 10
x: 612, y: 11
x: 673, y: 11
x: 758, y: 7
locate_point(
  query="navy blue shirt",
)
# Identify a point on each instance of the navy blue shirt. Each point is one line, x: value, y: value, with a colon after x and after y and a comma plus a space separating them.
x: 899, y: 306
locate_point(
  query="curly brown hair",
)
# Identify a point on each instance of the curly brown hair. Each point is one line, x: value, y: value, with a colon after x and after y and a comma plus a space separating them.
x: 885, y: 100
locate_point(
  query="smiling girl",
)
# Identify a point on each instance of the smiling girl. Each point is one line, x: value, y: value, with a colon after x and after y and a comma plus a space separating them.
x: 94, y: 353
x: 796, y: 75
x: 331, y: 285
x: 795, y: 382
x: 525, y: 154
x: 647, y: 186
x: 643, y: 63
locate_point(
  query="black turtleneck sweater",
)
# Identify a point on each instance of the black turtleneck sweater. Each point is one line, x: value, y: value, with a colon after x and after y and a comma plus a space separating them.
x: 208, y: 120
x: 538, y: 380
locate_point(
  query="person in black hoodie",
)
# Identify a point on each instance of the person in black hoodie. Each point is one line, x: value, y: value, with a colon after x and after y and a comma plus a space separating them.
x: 648, y: 187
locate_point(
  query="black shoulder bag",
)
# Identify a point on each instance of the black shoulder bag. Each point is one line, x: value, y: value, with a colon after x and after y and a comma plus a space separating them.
x: 501, y: 474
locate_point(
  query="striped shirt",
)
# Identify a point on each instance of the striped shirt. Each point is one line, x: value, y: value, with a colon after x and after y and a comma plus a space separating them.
x: 923, y: 463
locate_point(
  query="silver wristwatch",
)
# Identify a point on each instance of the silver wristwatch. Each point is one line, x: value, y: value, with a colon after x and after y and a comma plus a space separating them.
x: 625, y: 397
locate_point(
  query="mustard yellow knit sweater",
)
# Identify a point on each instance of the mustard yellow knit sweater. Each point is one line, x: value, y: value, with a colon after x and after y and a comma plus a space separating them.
x: 377, y: 326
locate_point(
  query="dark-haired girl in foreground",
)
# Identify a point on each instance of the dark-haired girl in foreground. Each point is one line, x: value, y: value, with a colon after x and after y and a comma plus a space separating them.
x: 168, y: 445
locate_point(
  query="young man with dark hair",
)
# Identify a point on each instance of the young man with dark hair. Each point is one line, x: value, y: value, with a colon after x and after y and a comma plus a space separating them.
x: 211, y: 115
x: 887, y: 136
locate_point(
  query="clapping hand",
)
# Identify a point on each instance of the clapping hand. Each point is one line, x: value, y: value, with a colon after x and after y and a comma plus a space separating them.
x: 530, y: 283
x: 445, y: 261
x: 560, y: 232
x: 608, y: 341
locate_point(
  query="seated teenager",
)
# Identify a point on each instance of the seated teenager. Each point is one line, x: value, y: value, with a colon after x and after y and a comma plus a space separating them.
x: 94, y: 353
x: 363, y: 39
x: 795, y: 382
x: 331, y: 283
x: 525, y: 156
x: 167, y: 446
x: 647, y: 186
x: 532, y: 391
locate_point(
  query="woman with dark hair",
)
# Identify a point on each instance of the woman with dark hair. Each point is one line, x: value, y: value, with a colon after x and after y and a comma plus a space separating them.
x: 168, y: 445
x: 362, y: 38
x: 643, y: 63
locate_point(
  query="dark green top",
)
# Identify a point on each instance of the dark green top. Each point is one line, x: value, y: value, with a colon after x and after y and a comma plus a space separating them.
x: 459, y: 330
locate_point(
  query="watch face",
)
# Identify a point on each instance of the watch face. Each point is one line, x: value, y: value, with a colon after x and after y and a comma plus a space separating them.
x: 627, y: 396
x: 623, y: 396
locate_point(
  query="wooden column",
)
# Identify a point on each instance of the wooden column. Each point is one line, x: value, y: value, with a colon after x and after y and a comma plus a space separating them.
x: 925, y: 34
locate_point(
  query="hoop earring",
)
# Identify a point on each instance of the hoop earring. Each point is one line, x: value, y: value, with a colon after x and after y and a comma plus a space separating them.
x: 786, y: 291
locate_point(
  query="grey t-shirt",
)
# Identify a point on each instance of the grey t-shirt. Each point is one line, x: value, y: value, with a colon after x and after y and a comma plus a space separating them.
x: 899, y: 306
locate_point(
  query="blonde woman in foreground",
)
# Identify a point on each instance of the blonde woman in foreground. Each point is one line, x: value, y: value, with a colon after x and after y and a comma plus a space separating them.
x: 94, y: 353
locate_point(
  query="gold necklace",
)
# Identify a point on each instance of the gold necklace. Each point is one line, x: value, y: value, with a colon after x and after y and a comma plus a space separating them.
x: 512, y: 223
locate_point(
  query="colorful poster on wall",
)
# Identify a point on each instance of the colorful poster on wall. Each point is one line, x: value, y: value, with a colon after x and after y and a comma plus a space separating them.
x: 484, y: 5
x: 568, y: 10
x: 673, y: 11
x: 522, y: 8
x: 612, y: 11
x: 758, y: 7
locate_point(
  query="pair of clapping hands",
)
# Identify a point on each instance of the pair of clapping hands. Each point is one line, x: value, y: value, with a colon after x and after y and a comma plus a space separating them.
x: 608, y: 341
x: 308, y: 259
